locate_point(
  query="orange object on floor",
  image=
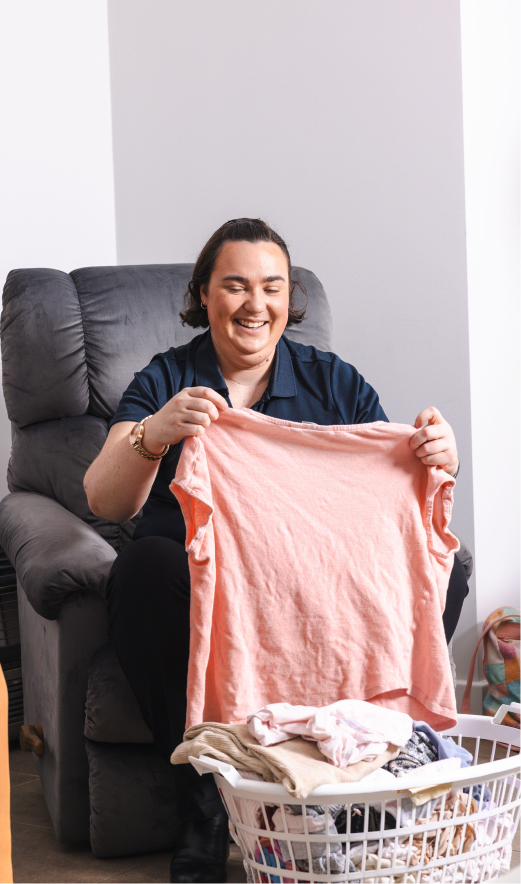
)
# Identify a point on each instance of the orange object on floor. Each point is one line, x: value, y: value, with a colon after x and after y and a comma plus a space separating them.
x: 6, y: 867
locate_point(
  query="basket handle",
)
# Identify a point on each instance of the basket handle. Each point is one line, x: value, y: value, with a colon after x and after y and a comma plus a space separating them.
x: 204, y: 765
x: 504, y: 710
x: 465, y: 703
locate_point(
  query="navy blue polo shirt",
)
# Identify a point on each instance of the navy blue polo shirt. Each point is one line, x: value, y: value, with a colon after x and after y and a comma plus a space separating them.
x: 306, y: 384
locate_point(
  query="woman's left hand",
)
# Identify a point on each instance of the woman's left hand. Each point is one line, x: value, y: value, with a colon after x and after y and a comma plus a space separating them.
x: 435, y: 445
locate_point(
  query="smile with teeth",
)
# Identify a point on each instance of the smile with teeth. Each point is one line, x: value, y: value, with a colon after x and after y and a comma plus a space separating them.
x: 249, y: 323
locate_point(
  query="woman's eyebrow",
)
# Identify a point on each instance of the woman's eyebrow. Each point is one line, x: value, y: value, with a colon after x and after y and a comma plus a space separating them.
x: 236, y: 278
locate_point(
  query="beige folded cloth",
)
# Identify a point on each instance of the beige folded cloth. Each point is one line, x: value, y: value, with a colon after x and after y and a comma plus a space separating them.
x: 298, y: 764
x: 421, y: 794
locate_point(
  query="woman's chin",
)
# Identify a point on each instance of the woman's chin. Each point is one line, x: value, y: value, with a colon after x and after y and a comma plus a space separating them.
x: 246, y: 342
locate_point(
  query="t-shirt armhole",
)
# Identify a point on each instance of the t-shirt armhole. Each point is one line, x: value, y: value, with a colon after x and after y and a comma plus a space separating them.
x: 441, y: 542
x: 192, y: 488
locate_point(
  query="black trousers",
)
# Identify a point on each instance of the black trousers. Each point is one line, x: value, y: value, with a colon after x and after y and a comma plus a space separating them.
x: 148, y: 596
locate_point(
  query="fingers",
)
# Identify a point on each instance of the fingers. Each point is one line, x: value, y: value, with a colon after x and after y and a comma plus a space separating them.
x: 429, y: 434
x: 442, y: 459
x: 431, y: 414
x: 208, y: 393
x: 199, y: 406
x: 202, y: 406
x: 189, y: 413
x: 192, y: 429
x: 435, y: 444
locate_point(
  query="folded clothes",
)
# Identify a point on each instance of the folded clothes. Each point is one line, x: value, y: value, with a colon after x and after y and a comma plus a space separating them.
x: 478, y: 790
x: 444, y: 767
x: 372, y: 861
x: 414, y: 804
x: 337, y: 865
x: 268, y: 853
x: 458, y: 837
x: 272, y: 853
x: 446, y: 842
x: 484, y: 867
x: 419, y: 795
x: 333, y: 809
x: 452, y: 839
x: 346, y: 732
x: 298, y: 764
x: 357, y: 819
x: 417, y: 751
x: 313, y: 822
x: 446, y: 747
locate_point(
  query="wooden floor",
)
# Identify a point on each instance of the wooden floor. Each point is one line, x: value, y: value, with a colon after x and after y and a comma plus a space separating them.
x: 38, y: 857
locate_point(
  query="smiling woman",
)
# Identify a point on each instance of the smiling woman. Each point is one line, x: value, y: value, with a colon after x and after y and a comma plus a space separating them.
x: 247, y: 314
x: 241, y: 295
x: 242, y: 230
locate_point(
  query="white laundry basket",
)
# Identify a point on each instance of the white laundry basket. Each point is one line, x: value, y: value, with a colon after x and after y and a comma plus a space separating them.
x: 472, y: 843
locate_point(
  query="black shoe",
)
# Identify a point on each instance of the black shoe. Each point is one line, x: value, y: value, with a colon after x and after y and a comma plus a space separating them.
x: 201, y: 851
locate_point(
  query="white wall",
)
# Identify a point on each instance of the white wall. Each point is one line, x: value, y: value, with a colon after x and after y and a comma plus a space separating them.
x: 56, y: 176
x: 339, y: 122
x: 490, y: 43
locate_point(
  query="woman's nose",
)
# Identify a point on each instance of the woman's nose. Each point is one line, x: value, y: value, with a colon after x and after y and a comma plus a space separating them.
x: 255, y: 300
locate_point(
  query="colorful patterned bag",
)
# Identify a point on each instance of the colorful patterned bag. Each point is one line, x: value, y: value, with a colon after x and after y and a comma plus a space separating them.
x: 500, y: 663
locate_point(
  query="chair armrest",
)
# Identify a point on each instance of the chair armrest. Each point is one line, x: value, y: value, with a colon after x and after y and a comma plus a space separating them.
x: 53, y: 552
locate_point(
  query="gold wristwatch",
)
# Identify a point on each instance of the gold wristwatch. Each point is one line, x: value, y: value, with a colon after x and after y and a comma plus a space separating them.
x: 136, y: 435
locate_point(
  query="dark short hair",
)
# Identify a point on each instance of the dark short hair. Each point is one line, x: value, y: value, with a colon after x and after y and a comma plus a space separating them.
x: 238, y: 230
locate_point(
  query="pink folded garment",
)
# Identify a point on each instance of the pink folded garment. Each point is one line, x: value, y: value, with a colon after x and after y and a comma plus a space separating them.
x: 346, y: 732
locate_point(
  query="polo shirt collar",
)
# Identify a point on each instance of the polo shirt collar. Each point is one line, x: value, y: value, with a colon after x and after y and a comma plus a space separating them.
x: 282, y: 382
x: 208, y: 374
x: 207, y: 371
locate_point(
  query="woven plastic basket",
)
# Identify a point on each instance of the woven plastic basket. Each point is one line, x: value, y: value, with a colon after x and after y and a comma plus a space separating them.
x: 469, y: 840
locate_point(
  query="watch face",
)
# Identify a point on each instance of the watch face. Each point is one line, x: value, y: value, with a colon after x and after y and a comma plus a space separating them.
x: 134, y: 432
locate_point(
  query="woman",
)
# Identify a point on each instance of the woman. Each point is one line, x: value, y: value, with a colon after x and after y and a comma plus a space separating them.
x: 241, y: 291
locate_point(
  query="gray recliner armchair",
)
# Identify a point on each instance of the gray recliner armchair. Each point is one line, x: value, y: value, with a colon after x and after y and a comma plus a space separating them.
x: 70, y: 345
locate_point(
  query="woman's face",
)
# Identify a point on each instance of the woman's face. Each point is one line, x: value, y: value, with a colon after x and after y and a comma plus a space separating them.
x: 247, y: 299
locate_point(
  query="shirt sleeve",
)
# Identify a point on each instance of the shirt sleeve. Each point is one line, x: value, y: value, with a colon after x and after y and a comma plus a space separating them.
x: 147, y: 393
x: 356, y: 401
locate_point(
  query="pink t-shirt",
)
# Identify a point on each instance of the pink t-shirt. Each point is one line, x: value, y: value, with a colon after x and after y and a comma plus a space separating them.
x: 319, y: 563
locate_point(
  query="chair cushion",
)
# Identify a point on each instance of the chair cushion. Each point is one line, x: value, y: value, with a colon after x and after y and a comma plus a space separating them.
x: 132, y: 800
x: 44, y: 370
x: 129, y: 313
x: 112, y: 714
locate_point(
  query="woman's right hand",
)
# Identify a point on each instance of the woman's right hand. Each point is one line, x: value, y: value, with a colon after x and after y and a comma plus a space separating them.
x: 189, y: 413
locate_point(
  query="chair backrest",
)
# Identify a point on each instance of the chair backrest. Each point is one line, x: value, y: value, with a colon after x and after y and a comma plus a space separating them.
x: 70, y: 346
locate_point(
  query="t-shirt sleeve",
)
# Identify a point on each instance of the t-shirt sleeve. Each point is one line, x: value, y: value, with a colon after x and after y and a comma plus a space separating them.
x: 147, y: 393
x: 356, y: 400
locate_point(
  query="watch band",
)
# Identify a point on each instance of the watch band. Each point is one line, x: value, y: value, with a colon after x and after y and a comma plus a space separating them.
x: 137, y: 446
